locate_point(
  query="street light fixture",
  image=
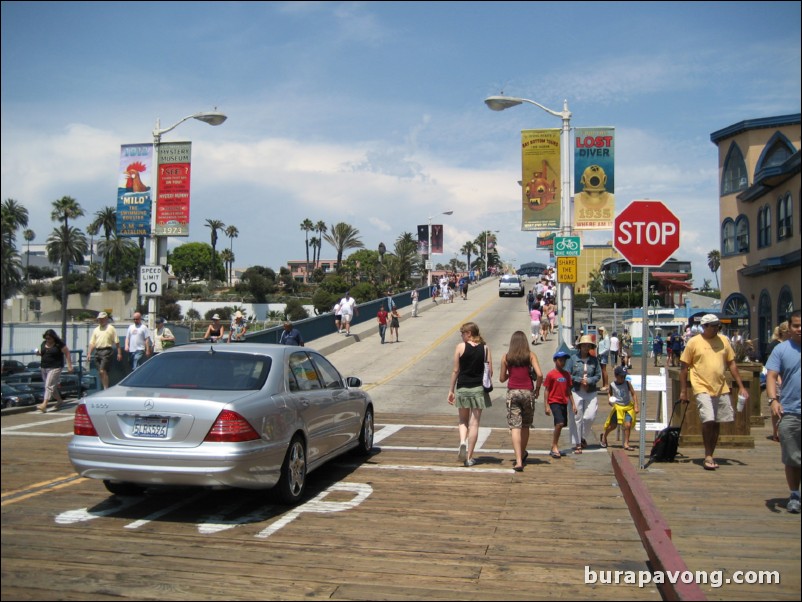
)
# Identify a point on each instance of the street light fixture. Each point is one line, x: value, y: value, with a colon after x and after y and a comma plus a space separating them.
x: 155, y: 259
x: 429, y: 248
x: 565, y: 291
x: 591, y: 304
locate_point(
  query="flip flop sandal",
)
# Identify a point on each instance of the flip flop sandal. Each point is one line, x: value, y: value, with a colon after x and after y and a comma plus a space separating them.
x: 710, y: 465
x: 628, y: 448
x: 603, y: 442
x: 578, y: 449
x: 518, y: 468
x: 555, y: 454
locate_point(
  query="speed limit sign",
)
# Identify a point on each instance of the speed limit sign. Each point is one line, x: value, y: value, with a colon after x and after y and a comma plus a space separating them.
x: 151, y: 280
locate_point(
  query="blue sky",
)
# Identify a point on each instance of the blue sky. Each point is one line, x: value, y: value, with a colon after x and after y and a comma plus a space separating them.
x: 373, y: 114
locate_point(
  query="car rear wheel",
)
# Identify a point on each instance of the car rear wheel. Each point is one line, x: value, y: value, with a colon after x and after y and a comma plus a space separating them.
x: 123, y: 488
x: 292, y: 482
x: 366, y: 434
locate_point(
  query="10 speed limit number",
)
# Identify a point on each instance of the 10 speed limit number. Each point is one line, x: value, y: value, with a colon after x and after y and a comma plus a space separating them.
x: 151, y: 280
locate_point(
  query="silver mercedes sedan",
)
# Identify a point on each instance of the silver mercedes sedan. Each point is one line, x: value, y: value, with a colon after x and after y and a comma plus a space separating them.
x: 244, y: 415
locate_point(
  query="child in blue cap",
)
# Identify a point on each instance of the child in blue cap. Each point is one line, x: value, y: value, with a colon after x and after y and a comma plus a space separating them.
x: 558, y: 394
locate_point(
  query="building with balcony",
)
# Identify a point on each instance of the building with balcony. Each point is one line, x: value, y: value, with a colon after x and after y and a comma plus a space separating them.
x: 759, y: 216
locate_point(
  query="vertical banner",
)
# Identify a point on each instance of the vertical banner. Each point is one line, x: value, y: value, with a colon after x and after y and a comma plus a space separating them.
x: 423, y: 240
x: 540, y: 154
x: 437, y: 238
x: 133, y: 190
x: 545, y: 242
x: 594, y: 179
x: 172, y: 204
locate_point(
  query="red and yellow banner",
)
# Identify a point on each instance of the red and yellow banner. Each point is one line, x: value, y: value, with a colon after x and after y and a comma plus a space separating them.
x: 172, y: 204
x: 541, y: 187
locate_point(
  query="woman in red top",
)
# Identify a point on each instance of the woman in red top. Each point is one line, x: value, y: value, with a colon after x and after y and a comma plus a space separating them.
x: 517, y: 365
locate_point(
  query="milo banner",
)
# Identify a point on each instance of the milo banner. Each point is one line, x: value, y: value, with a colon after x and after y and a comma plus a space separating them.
x: 540, y: 154
x: 423, y: 239
x: 594, y: 179
x: 133, y: 190
x: 172, y: 204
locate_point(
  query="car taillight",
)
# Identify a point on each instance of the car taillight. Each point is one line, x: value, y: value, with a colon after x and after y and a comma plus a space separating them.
x: 83, y: 423
x: 230, y: 427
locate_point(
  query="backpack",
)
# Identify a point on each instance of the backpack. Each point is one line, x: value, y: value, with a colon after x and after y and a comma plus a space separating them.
x: 666, y: 442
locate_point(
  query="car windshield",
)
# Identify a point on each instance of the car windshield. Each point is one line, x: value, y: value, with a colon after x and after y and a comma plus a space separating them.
x: 202, y: 370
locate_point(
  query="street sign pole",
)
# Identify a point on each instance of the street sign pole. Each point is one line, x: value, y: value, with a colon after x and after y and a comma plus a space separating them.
x: 644, y: 360
x: 646, y: 234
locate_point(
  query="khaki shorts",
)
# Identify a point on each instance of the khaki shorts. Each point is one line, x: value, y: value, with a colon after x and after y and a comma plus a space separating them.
x: 520, y: 408
x: 714, y: 409
x: 788, y: 430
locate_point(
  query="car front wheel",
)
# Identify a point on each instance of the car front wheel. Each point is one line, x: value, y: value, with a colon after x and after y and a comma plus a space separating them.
x: 292, y: 482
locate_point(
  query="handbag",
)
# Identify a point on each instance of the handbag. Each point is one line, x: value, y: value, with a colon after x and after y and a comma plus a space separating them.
x: 487, y: 382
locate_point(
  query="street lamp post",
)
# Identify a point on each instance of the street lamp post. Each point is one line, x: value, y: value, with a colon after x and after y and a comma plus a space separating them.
x: 155, y: 250
x: 431, y: 263
x: 565, y: 291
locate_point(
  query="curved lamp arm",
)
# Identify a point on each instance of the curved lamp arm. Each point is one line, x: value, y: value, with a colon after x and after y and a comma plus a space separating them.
x: 210, y: 117
x: 499, y: 103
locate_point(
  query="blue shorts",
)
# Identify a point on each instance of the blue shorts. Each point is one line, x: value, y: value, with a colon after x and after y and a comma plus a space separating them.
x: 560, y: 413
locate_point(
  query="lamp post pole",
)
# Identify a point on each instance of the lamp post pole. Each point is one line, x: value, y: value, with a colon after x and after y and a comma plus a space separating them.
x: 565, y: 291
x: 155, y: 244
x: 429, y: 249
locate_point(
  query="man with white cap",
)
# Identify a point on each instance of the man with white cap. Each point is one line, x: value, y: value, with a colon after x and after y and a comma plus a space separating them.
x: 705, y: 358
x: 103, y: 341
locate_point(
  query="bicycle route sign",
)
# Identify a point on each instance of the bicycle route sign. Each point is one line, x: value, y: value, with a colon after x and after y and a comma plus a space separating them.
x: 567, y: 246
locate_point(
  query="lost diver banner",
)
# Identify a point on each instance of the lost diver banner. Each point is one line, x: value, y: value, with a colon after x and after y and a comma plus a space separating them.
x: 540, y: 156
x: 594, y: 178
x: 133, y: 190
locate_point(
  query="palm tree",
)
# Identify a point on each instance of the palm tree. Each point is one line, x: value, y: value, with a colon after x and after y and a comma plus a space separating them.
x: 468, y: 249
x: 115, y: 251
x: 232, y: 233
x: 28, y: 235
x: 406, y: 252
x: 215, y: 225
x: 307, y: 226
x: 321, y: 228
x: 343, y: 236
x: 106, y: 218
x: 66, y: 244
x: 92, y: 230
x: 714, y: 263
x: 227, y: 255
x: 65, y: 209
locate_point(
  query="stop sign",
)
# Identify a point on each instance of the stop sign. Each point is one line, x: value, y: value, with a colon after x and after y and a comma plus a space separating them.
x: 646, y: 233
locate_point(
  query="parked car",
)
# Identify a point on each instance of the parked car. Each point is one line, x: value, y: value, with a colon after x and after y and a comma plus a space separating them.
x: 69, y: 384
x: 510, y: 284
x: 12, y: 367
x: 13, y: 397
x: 252, y: 416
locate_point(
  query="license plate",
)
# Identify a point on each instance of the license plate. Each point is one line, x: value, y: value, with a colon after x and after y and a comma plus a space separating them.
x: 151, y: 428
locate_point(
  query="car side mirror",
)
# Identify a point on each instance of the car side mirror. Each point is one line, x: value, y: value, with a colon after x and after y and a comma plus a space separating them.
x: 353, y: 382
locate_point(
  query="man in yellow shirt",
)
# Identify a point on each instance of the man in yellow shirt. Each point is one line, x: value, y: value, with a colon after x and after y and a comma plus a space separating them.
x: 103, y: 342
x: 705, y: 357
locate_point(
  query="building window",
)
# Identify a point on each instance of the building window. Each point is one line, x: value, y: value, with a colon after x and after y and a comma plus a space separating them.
x: 785, y: 228
x: 734, y: 178
x: 785, y: 305
x: 764, y: 227
x: 728, y: 237
x: 742, y: 234
x: 776, y: 152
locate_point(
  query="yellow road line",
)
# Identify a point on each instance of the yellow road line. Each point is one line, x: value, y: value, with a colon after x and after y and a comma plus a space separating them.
x: 12, y: 497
